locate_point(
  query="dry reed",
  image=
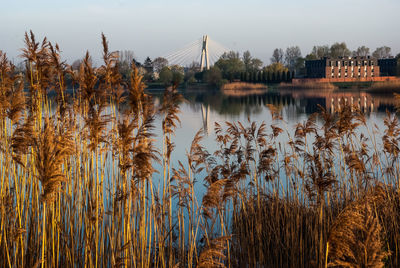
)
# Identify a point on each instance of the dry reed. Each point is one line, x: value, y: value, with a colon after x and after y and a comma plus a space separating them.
x: 77, y: 183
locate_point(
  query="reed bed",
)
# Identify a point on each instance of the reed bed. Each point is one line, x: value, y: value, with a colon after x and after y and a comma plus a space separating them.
x: 243, y: 86
x: 78, y: 183
x: 308, y: 85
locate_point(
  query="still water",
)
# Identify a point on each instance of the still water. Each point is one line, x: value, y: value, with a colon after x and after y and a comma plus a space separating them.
x: 202, y: 109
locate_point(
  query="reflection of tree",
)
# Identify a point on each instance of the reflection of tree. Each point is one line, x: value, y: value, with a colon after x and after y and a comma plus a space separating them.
x: 228, y: 105
x: 292, y: 104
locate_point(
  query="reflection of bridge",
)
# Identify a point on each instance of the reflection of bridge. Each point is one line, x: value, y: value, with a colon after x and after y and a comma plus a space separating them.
x: 204, y: 51
x: 205, y: 111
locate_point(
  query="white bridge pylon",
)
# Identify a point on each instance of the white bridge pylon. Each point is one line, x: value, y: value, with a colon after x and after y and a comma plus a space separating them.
x: 204, y: 52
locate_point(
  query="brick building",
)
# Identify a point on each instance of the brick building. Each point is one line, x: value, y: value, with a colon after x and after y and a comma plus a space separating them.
x: 348, y: 69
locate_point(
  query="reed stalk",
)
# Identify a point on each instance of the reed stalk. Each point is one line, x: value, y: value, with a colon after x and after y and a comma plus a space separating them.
x: 78, y: 182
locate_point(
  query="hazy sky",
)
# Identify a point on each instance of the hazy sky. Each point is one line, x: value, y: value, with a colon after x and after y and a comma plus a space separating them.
x: 156, y: 27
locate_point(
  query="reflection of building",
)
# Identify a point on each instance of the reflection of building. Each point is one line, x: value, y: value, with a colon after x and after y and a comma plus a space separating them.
x: 335, y: 101
x: 347, y: 68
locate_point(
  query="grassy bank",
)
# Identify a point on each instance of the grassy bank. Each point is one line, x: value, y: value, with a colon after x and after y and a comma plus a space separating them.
x: 354, y: 85
x: 307, y: 85
x: 78, y: 183
x: 243, y: 86
x: 243, y: 89
x: 385, y: 87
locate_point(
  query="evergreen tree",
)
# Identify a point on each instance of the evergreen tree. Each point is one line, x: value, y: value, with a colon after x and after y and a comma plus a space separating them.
x: 283, y: 77
x: 148, y: 65
x: 269, y: 77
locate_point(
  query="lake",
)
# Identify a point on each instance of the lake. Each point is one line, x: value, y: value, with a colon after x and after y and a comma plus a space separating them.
x: 204, y: 108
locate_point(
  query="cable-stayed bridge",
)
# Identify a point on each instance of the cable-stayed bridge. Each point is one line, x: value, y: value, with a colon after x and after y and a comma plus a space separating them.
x: 204, y: 51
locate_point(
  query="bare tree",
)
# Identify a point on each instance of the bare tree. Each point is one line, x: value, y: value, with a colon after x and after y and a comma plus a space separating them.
x: 340, y: 50
x: 277, y: 56
x: 251, y: 64
x: 125, y: 60
x: 362, y: 51
x: 159, y: 63
x: 382, y: 52
x: 320, y: 51
x: 247, y: 59
x: 292, y: 56
x: 126, y: 56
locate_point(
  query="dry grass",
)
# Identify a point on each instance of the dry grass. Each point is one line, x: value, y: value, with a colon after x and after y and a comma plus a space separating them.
x: 242, y: 88
x: 307, y: 85
x: 77, y: 184
x: 355, y: 236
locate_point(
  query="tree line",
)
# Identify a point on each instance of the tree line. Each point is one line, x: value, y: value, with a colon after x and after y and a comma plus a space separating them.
x: 231, y: 66
x: 266, y: 76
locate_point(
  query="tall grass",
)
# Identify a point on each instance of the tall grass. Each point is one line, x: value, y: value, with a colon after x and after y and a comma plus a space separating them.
x: 78, y: 183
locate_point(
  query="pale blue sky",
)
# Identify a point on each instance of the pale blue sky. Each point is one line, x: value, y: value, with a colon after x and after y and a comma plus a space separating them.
x: 156, y: 27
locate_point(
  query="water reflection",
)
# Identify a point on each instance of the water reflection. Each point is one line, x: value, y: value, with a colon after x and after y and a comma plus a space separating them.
x: 294, y: 102
x: 203, y: 108
x: 335, y: 100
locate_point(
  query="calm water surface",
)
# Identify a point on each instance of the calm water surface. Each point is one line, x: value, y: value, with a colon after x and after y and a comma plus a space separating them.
x: 204, y: 108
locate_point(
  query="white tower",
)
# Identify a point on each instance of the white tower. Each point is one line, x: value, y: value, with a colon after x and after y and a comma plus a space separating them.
x: 204, y: 54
